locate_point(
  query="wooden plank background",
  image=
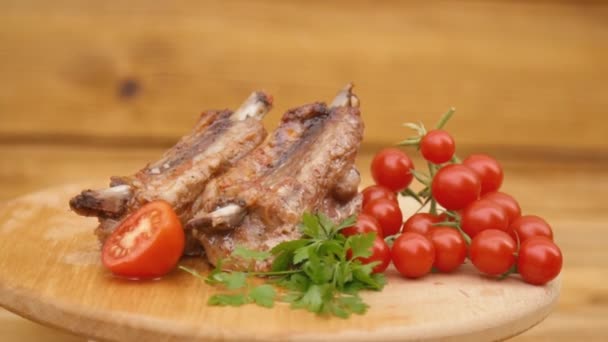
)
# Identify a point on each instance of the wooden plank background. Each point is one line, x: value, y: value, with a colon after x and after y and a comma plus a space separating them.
x: 89, y: 89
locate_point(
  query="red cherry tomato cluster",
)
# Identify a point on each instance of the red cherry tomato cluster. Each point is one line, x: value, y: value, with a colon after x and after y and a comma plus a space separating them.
x: 479, y: 222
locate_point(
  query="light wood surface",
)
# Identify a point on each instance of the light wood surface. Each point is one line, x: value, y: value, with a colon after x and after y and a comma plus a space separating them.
x: 528, y: 80
x: 59, y: 280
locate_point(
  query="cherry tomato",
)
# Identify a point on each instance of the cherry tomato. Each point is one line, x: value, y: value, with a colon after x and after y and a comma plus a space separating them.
x: 450, y: 248
x: 539, y: 261
x: 507, y: 202
x: 420, y: 223
x: 147, y: 244
x: 492, y: 252
x: 413, y: 255
x: 528, y: 226
x: 481, y: 215
x: 487, y: 168
x: 376, y: 191
x: 437, y: 146
x: 391, y: 169
x: 380, y: 252
x: 387, y: 213
x: 455, y: 186
x: 365, y: 224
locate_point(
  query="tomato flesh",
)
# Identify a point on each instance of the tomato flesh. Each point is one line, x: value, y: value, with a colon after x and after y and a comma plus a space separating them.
x: 481, y: 215
x: 455, y: 186
x: 413, y: 255
x: 365, y: 224
x: 147, y: 244
x: 391, y: 169
x: 450, y: 248
x: 437, y: 146
x: 380, y: 252
x: 492, y: 252
x: 387, y: 213
x: 539, y: 260
x: 528, y: 226
x: 421, y: 223
x: 375, y: 192
x: 507, y: 202
x: 488, y: 169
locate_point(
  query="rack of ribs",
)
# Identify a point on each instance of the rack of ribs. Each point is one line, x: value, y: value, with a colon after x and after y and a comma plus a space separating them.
x: 219, y: 139
x: 306, y: 165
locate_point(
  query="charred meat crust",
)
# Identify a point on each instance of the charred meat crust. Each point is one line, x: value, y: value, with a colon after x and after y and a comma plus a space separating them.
x: 305, y: 178
x: 218, y: 140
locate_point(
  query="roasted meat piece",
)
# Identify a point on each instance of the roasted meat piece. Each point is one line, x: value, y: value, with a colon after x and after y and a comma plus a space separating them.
x: 307, y: 164
x: 219, y: 139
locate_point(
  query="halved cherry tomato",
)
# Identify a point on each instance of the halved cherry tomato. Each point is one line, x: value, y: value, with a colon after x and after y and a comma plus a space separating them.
x: 507, y: 202
x: 365, y: 224
x: 539, y: 260
x: 437, y: 146
x: 455, y: 186
x: 391, y: 169
x: 450, y: 248
x: 421, y: 223
x: 481, y: 215
x: 387, y: 213
x: 147, y: 244
x: 380, y: 252
x: 374, y: 192
x: 492, y: 252
x: 528, y: 226
x: 488, y: 169
x: 413, y: 255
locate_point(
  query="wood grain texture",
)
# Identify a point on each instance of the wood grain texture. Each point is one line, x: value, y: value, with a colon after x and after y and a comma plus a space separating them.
x: 520, y: 73
x: 59, y: 281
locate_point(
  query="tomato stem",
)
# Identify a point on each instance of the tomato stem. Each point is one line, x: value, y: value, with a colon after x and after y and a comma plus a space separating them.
x: 445, y: 118
x: 432, y: 171
x: 512, y: 270
x: 421, y: 177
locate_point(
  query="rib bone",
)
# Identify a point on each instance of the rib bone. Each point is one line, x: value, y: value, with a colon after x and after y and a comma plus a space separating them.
x: 258, y: 164
x: 301, y: 167
x: 218, y: 140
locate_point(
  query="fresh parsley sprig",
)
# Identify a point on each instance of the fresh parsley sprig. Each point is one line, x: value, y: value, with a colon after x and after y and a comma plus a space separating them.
x: 314, y: 273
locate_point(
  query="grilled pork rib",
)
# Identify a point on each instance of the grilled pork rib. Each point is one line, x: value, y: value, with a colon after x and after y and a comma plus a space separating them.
x: 219, y: 139
x: 307, y: 164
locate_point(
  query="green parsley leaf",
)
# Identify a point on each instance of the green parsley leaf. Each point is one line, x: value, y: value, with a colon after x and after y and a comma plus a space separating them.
x: 289, y: 246
x: 353, y: 304
x: 263, y: 295
x: 331, y: 247
x: 311, y: 226
x: 338, y: 311
x: 363, y: 273
x: 235, y: 280
x: 301, y: 254
x: 248, y: 254
x: 227, y: 300
x: 327, y: 225
x: 312, y: 300
x: 231, y: 280
x: 282, y: 262
x: 348, y: 222
x: 296, y: 282
x: 313, y: 270
x: 361, y: 245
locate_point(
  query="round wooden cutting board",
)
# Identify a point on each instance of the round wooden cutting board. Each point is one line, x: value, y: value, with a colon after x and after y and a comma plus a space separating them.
x: 50, y: 272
